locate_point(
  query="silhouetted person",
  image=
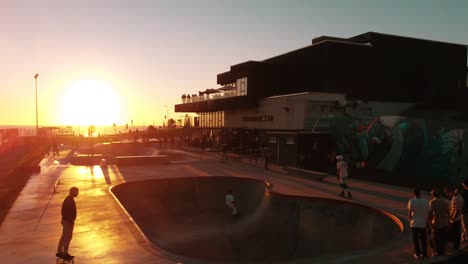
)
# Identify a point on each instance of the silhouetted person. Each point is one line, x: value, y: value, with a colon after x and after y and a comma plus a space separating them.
x: 464, y: 195
x: 456, y: 207
x: 266, y: 155
x: 75, y: 143
x: 342, y: 174
x: 54, y: 146
x: 223, y: 153
x: 68, y: 222
x: 204, y: 142
x: 301, y: 159
x: 440, y: 222
x: 91, y: 142
x: 448, y: 192
x: 418, y: 213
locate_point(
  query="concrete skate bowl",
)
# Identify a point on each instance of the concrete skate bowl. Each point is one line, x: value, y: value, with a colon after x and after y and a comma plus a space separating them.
x: 187, y: 218
x: 122, y: 154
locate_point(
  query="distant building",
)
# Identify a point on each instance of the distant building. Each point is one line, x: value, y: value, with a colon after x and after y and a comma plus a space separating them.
x: 287, y: 100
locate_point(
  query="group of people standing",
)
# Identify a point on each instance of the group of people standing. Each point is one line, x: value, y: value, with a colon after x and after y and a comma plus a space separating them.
x: 444, y: 218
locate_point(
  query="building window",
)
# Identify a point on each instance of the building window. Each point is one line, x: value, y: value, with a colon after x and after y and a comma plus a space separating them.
x: 221, y: 119
x: 212, y: 119
x: 241, y: 86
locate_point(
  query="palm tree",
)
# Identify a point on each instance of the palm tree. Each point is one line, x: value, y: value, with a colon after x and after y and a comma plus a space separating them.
x: 171, y: 123
x: 151, y: 131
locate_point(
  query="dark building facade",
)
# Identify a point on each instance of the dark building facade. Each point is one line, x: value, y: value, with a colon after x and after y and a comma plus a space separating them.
x: 370, y: 66
x: 367, y: 67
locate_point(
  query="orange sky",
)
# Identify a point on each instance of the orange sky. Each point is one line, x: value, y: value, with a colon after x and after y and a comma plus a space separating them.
x: 131, y: 58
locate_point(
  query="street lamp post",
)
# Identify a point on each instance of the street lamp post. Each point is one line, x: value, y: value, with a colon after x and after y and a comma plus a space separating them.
x: 167, y: 111
x: 166, y: 117
x: 37, y: 119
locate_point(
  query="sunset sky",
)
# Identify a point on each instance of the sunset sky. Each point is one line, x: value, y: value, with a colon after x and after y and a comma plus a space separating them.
x: 112, y: 61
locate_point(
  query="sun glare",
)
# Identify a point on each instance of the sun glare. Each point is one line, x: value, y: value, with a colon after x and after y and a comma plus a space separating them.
x: 91, y: 102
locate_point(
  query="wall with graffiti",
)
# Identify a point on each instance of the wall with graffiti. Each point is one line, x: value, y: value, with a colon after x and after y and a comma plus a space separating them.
x: 400, y: 145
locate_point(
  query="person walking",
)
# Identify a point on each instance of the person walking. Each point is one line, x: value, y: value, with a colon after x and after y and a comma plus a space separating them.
x: 266, y: 154
x: 464, y: 195
x: 54, y: 147
x: 223, y: 153
x: 440, y: 222
x: 342, y: 175
x: 456, y: 207
x: 68, y: 222
x: 418, y: 213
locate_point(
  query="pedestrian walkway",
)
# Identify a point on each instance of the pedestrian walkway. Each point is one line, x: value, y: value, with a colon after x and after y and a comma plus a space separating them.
x: 104, y: 233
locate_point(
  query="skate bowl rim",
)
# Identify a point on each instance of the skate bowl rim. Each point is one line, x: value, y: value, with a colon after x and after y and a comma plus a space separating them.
x: 179, y: 258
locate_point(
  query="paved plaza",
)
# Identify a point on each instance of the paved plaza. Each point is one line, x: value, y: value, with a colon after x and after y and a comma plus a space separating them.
x: 104, y: 232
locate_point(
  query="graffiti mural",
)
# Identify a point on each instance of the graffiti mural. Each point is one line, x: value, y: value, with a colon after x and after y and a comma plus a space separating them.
x: 401, y: 145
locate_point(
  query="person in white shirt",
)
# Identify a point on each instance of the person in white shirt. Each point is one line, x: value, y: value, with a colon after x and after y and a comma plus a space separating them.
x: 342, y: 174
x: 418, y: 212
x: 456, y: 209
x: 230, y: 202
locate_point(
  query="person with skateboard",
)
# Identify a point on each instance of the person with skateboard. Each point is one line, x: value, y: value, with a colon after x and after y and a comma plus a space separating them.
x: 342, y: 174
x: 68, y: 222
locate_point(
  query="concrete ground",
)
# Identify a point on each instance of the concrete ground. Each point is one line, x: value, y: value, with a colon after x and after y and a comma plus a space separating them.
x: 105, y: 234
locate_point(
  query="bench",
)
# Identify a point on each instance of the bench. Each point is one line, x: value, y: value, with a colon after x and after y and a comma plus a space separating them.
x: 309, y: 174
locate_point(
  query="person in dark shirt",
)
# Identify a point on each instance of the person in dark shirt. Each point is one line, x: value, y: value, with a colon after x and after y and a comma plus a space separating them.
x: 266, y: 155
x: 68, y: 222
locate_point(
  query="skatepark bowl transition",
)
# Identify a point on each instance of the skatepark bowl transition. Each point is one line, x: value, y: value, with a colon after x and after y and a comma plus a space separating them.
x: 187, y: 219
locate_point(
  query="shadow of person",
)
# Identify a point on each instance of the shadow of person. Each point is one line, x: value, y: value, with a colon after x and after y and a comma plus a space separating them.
x: 105, y: 171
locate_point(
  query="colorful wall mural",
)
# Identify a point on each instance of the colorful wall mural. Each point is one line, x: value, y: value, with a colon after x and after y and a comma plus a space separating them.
x: 402, y: 145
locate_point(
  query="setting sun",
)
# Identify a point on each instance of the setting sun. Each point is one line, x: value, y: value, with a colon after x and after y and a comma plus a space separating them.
x: 88, y: 102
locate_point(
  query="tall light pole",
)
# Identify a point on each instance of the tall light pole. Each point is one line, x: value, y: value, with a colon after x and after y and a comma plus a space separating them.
x: 37, y: 119
x: 167, y: 112
x: 166, y: 117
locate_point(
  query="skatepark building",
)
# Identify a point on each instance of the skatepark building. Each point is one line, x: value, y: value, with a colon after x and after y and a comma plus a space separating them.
x: 287, y: 100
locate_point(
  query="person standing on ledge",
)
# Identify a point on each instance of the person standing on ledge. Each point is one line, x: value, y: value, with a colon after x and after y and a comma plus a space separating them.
x: 342, y: 174
x: 418, y: 214
x: 68, y: 222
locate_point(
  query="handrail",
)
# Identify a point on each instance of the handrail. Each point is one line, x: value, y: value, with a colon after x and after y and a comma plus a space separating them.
x: 56, y: 185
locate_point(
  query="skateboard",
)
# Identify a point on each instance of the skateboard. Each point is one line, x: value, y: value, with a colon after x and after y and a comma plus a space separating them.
x: 62, y: 260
